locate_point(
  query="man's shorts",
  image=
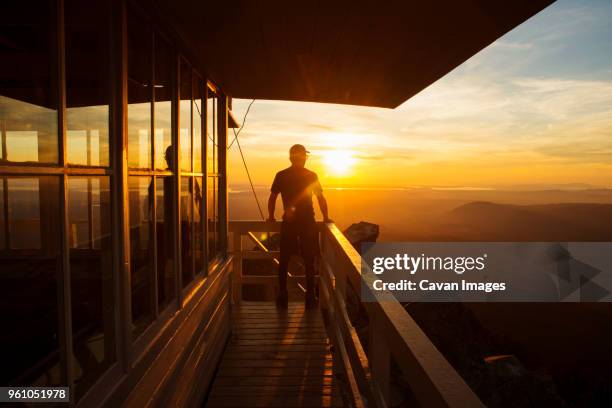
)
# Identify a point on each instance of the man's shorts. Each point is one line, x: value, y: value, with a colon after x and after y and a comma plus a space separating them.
x: 300, y: 237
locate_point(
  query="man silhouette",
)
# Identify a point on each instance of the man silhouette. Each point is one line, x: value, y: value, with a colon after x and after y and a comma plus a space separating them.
x: 299, y: 233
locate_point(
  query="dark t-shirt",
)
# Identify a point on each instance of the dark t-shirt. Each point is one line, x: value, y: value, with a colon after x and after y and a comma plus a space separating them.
x: 296, y: 186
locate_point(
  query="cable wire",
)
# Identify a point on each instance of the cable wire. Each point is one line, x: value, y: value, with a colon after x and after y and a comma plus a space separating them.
x: 241, y: 126
x: 248, y: 173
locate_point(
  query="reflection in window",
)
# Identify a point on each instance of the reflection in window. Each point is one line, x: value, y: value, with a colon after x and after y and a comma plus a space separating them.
x: 198, y: 226
x: 24, y: 213
x: 140, y: 39
x: 22, y: 145
x: 185, y: 119
x: 198, y: 89
x: 186, y: 238
x: 211, y: 133
x: 28, y: 96
x: 28, y: 282
x: 87, y: 81
x: 141, y: 254
x: 91, y: 277
x: 163, y: 102
x: 165, y: 240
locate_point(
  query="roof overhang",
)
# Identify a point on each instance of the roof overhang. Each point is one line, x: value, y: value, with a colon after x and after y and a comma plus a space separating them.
x: 374, y: 53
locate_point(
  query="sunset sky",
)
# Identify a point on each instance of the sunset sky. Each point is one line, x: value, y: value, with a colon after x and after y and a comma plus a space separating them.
x: 532, y: 109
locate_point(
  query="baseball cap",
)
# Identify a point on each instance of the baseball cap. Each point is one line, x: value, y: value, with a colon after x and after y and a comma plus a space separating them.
x: 297, y: 149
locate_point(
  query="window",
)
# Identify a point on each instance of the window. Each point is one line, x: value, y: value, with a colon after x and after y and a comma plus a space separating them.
x: 30, y: 251
x: 28, y: 97
x: 212, y: 192
x: 192, y: 208
x: 140, y: 93
x: 185, y: 120
x: 186, y: 229
x: 164, y: 199
x: 91, y: 278
x: 30, y: 263
x: 87, y: 82
x: 163, y: 104
x: 141, y: 251
x: 152, y: 173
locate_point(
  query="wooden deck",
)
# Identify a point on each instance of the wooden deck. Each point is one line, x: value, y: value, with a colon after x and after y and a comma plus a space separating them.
x: 276, y: 359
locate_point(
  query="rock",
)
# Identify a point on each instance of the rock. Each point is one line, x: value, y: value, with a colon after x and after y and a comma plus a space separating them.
x: 361, y: 232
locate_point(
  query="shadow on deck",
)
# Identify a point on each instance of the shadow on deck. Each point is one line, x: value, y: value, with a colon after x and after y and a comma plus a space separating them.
x: 276, y: 359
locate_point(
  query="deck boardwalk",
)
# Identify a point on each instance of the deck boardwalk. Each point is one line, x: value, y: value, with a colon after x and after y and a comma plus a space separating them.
x: 276, y: 359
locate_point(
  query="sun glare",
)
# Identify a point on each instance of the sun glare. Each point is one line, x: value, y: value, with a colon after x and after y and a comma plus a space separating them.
x: 338, y: 162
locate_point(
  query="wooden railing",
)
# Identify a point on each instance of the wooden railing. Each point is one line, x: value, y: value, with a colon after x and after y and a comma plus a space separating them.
x: 392, y: 333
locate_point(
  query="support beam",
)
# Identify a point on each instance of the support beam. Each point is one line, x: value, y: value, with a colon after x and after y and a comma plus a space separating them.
x: 222, y: 146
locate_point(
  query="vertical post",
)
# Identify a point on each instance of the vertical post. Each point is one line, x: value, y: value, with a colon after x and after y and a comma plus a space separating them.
x: 176, y: 194
x: 65, y: 318
x: 222, y: 145
x: 154, y: 300
x: 237, y: 268
x: 120, y: 204
x: 380, y: 357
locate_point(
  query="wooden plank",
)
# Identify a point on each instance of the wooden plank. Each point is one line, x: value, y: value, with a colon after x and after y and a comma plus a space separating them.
x: 297, y: 389
x: 250, y: 324
x: 273, y: 312
x: 277, y: 355
x: 279, y: 337
x: 281, y: 401
x: 273, y: 372
x: 284, y: 363
x: 286, y: 342
x: 269, y: 318
x: 233, y: 348
x: 319, y: 330
x: 251, y: 305
x: 320, y: 381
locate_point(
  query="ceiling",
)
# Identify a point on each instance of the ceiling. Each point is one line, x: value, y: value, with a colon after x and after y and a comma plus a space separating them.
x: 373, y: 53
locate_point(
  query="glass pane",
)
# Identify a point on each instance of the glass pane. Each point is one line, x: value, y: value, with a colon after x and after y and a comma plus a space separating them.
x: 212, y: 215
x: 28, y: 283
x: 186, y: 238
x: 140, y: 41
x: 163, y: 104
x: 28, y: 94
x: 198, y: 227
x: 24, y: 221
x: 211, y: 133
x: 141, y: 254
x: 91, y: 278
x: 87, y: 82
x: 185, y: 116
x: 165, y: 240
x: 197, y: 123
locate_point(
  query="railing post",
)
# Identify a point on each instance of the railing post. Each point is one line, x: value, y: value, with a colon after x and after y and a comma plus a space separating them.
x: 379, y: 357
x: 237, y: 270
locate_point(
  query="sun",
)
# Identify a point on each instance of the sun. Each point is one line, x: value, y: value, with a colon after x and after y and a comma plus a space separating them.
x: 338, y: 162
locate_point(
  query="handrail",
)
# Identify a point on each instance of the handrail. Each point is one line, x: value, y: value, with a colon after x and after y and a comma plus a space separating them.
x: 393, y: 334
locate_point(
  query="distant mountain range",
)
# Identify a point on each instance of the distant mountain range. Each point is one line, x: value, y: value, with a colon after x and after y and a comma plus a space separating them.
x: 487, y: 221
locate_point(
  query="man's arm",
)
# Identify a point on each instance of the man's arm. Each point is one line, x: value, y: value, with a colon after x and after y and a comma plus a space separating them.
x: 318, y: 191
x: 323, y: 206
x: 272, y: 206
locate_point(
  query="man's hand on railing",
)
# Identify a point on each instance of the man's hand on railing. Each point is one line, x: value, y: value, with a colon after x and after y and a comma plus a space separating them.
x: 271, y: 219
